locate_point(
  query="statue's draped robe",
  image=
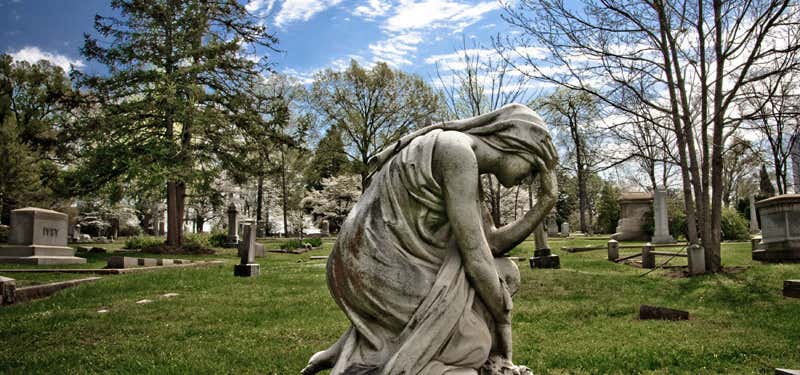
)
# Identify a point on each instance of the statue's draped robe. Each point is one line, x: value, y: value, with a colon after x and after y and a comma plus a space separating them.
x: 397, y: 273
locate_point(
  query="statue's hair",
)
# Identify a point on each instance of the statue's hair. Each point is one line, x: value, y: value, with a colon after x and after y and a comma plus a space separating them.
x: 514, y: 128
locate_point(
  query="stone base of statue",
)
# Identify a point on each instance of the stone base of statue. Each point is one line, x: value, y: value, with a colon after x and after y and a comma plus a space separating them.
x: 247, y: 270
x: 543, y: 258
x: 497, y: 365
x: 780, y: 237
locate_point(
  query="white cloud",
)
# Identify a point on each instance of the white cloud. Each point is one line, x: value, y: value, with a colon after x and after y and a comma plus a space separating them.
x: 260, y: 7
x: 301, y: 10
x: 426, y: 14
x: 373, y: 9
x: 394, y: 49
x: 34, y: 54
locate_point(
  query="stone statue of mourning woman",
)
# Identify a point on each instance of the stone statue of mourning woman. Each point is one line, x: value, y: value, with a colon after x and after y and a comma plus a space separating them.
x: 418, y: 265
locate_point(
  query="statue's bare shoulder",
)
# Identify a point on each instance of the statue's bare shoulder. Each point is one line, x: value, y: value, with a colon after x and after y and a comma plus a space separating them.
x: 454, y: 158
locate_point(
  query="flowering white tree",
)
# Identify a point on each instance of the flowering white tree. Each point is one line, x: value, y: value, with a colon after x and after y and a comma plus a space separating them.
x: 338, y: 195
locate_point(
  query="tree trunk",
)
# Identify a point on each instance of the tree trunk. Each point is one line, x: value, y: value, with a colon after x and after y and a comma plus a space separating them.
x: 199, y: 222
x: 172, y: 212
x: 283, y: 192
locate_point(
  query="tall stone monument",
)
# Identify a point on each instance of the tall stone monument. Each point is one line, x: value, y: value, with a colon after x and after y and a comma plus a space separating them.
x: 633, y: 209
x: 753, y: 215
x: 38, y: 236
x: 233, y: 225
x: 660, y: 218
x: 247, y: 251
x: 780, y: 234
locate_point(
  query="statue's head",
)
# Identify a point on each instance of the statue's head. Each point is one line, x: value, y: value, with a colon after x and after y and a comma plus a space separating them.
x: 519, y: 135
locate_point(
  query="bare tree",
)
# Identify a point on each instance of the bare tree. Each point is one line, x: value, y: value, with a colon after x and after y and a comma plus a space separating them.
x: 687, y: 60
x: 475, y: 82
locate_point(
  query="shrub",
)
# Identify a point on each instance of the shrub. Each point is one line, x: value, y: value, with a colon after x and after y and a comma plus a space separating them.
x: 142, y: 242
x: 217, y: 239
x: 734, y: 226
x: 299, y: 244
x: 129, y: 231
x: 197, y: 240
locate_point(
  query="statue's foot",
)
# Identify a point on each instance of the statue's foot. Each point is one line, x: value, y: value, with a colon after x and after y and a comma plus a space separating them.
x: 319, y: 361
x: 499, y: 365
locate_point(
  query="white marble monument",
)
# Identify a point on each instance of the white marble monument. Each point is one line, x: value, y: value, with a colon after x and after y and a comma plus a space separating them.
x: 661, y: 218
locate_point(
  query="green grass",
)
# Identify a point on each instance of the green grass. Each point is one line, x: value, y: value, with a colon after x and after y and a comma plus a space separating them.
x: 578, y: 319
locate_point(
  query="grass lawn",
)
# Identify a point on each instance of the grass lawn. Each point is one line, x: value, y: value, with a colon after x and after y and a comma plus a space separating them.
x: 581, y: 318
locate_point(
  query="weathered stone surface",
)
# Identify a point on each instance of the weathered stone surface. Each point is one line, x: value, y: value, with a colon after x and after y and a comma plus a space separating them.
x: 791, y: 288
x: 660, y: 217
x: 753, y: 215
x: 122, y: 262
x: 247, y: 270
x: 38, y: 236
x: 697, y: 260
x: 565, y: 229
x: 165, y: 262
x: 545, y: 261
x: 633, y: 209
x: 786, y: 371
x: 780, y: 234
x: 647, y: 312
x: 147, y: 262
x: 400, y: 254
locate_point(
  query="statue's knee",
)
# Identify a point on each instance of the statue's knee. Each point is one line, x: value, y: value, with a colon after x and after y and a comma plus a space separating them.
x: 508, y: 271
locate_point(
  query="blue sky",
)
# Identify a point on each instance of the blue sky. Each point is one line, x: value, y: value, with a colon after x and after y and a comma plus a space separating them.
x: 411, y: 35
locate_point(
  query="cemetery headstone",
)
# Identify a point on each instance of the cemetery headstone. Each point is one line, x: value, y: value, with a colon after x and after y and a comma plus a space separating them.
x: 542, y: 256
x: 780, y: 234
x: 233, y: 237
x: 324, y: 228
x: 613, y: 250
x: 661, y: 218
x: 38, y: 236
x: 697, y: 259
x: 565, y: 229
x: 633, y: 209
x: 76, y: 233
x: 248, y: 266
x: 552, y: 226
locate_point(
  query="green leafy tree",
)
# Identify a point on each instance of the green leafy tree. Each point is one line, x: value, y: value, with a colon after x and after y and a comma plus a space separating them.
x: 608, y: 209
x: 329, y: 159
x: 176, y: 101
x: 372, y: 108
x: 35, y: 103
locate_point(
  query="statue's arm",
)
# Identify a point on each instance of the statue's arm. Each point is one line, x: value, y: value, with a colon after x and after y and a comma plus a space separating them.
x: 505, y: 238
x: 458, y: 169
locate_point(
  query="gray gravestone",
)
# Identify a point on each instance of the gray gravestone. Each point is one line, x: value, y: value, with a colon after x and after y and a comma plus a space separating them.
x: 38, y: 236
x: 565, y: 229
x: 780, y: 235
x: 247, y: 251
x: 542, y: 256
x: 233, y: 238
x: 633, y: 210
x: 552, y: 226
x: 753, y: 215
x: 660, y: 218
x: 76, y: 233
x: 324, y: 228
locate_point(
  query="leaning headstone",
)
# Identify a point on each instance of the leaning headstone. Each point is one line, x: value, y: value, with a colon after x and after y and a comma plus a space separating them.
x: 634, y: 208
x: 753, y: 215
x: 660, y: 218
x: 542, y: 256
x: 233, y: 238
x: 565, y: 229
x: 38, y: 236
x: 248, y: 266
x: 791, y: 288
x: 780, y: 237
